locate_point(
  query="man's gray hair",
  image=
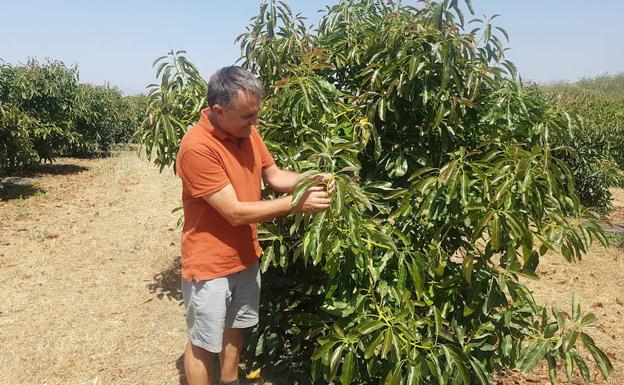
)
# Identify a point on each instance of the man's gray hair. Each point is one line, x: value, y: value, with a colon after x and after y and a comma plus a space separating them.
x: 228, y: 81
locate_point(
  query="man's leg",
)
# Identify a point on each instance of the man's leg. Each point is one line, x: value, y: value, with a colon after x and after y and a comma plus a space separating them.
x: 197, y: 364
x: 229, y: 357
x: 205, y: 305
x: 242, y: 313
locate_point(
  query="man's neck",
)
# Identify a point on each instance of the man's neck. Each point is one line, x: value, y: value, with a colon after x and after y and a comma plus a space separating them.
x: 215, y: 126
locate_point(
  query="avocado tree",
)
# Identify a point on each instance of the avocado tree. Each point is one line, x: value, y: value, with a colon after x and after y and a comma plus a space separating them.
x: 449, y: 189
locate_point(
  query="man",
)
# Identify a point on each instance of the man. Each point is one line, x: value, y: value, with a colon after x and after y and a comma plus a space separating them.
x: 222, y: 161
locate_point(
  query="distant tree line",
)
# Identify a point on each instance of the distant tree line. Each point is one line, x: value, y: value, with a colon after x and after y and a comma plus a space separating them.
x: 46, y: 112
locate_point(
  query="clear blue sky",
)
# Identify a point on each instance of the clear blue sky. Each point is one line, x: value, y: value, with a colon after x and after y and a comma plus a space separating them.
x: 116, y: 41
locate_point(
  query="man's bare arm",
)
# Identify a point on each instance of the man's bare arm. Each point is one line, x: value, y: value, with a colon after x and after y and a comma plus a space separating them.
x: 239, y: 213
x: 280, y: 180
x: 285, y: 181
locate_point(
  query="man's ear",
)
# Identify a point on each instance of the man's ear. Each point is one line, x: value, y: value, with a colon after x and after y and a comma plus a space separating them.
x: 217, y: 109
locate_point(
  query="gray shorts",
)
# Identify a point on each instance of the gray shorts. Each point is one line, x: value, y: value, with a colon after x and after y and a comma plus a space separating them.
x: 226, y: 302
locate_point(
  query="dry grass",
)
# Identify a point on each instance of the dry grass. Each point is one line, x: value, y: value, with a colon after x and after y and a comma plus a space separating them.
x: 78, y: 266
x: 90, y: 286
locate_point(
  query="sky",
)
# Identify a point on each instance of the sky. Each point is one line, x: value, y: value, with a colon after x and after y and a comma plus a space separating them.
x: 116, y: 41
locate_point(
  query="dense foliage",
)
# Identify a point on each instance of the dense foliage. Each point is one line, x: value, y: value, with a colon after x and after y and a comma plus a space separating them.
x: 173, y: 105
x: 45, y: 112
x: 599, y: 137
x: 448, y: 190
x: 102, y: 117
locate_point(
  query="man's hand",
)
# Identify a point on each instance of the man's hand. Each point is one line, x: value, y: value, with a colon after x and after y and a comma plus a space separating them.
x: 314, y: 200
x: 325, y: 178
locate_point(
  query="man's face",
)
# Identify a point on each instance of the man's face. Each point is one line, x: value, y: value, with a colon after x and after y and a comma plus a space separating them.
x: 237, y: 118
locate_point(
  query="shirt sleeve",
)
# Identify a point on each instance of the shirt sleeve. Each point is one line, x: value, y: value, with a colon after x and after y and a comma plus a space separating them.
x: 202, y: 172
x: 265, y: 156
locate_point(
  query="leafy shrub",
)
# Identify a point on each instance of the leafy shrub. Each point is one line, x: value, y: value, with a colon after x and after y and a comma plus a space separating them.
x: 103, y: 117
x: 45, y: 93
x: 45, y: 112
x: 173, y: 105
x: 597, y: 138
x: 16, y: 145
x: 447, y: 191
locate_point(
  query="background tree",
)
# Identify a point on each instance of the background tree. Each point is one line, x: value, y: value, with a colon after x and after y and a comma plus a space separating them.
x: 45, y: 112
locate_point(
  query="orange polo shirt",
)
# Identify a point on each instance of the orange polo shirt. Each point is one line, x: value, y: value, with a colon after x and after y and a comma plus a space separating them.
x: 208, y: 160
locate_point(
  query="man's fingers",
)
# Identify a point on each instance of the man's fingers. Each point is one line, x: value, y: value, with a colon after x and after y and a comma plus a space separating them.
x: 317, y: 188
x: 319, y: 209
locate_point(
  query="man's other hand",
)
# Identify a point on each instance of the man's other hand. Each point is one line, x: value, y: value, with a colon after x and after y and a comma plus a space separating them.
x: 314, y: 200
x: 325, y: 178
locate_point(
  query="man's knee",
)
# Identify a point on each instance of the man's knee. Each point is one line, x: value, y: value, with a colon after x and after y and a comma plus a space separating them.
x: 198, y: 352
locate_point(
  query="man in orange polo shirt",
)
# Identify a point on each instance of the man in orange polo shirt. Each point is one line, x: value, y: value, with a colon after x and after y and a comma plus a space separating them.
x: 222, y: 161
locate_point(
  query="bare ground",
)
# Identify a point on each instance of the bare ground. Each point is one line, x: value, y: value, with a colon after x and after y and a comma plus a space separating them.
x: 89, y: 291
x: 80, y: 302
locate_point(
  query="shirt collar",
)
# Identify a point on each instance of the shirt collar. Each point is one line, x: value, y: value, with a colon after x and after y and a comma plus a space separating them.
x: 206, y: 124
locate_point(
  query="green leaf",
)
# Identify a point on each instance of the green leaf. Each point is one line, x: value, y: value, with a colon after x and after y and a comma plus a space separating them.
x: 569, y: 365
x: 372, y: 346
x: 394, y: 376
x: 601, y: 359
x: 323, y: 349
x: 413, y: 66
x: 401, y: 166
x: 576, y: 308
x: 465, y: 189
x: 369, y: 327
x: 307, y: 175
x: 335, y: 358
x: 347, y: 369
x: 532, y: 355
x: 421, y: 171
x: 496, y: 233
x: 438, y: 320
x: 413, y: 375
x: 381, y: 109
x: 478, y: 230
x: 552, y: 369
x: 459, y: 360
x: 467, y: 266
x: 580, y: 363
x: 315, y: 235
x: 418, y: 279
x: 470, y: 8
x: 388, y: 341
x: 559, y: 317
x: 588, y: 319
x: 506, y: 345
x: 480, y: 371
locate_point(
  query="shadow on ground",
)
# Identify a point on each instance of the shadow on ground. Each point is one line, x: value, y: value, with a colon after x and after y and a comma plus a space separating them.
x: 23, y: 183
x: 56, y: 169
x: 9, y: 190
x: 167, y: 283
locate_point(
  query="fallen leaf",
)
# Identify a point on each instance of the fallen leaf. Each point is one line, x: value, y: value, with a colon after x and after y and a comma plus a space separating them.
x: 253, y: 375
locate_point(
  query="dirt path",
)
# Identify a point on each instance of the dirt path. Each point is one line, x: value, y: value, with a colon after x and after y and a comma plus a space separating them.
x: 89, y: 291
